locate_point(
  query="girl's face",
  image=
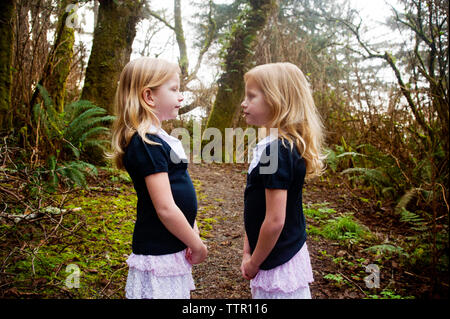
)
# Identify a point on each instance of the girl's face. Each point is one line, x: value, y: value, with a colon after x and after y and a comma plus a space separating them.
x: 255, y: 108
x: 167, y: 99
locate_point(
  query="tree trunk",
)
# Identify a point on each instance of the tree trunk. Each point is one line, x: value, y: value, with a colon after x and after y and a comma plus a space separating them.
x: 59, y: 60
x: 7, y: 18
x: 111, y: 50
x: 179, y: 33
x: 238, y: 60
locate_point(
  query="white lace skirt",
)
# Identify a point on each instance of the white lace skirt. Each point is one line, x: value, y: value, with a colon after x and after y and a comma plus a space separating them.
x: 287, y: 281
x: 159, y: 277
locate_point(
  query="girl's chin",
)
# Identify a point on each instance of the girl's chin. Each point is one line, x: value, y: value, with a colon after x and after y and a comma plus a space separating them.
x: 249, y: 121
x: 172, y: 116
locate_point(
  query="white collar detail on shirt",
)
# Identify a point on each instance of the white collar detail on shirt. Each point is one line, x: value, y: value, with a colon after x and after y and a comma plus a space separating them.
x: 174, y: 143
x: 259, y: 149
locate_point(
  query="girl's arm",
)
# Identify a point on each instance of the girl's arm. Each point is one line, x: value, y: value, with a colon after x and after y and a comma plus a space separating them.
x: 246, y: 245
x: 270, y: 230
x: 245, y: 256
x: 172, y: 217
x: 196, y: 230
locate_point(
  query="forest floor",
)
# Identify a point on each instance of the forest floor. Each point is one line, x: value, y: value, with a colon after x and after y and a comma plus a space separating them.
x: 93, y: 236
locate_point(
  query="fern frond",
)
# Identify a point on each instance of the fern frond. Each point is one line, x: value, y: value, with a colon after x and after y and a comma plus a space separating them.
x: 76, y: 132
x: 372, y: 175
x: 45, y: 96
x: 74, y: 175
x: 54, y: 122
x: 75, y: 171
x: 51, y: 121
x: 75, y: 151
x: 406, y: 198
x: 353, y: 154
x: 37, y: 112
x: 93, y: 132
x: 85, y: 167
x: 331, y: 159
x: 51, y: 162
x: 386, y: 249
x: 387, y: 190
x: 93, y: 122
x: 423, y: 169
x: 74, y: 109
x: 97, y: 143
x: 415, y: 220
x: 83, y: 119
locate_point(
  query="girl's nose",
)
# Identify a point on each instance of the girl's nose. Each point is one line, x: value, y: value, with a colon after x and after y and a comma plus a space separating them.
x: 180, y: 97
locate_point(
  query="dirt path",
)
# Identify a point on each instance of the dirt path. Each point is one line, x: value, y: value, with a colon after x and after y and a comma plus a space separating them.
x: 222, y: 192
x: 338, y: 268
x: 221, y: 199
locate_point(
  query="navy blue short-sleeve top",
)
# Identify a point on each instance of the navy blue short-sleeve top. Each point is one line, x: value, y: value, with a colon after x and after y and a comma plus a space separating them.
x: 288, y: 173
x: 150, y: 236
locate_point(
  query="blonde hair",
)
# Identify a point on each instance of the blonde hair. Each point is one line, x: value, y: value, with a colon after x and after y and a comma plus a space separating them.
x: 132, y: 113
x: 292, y: 109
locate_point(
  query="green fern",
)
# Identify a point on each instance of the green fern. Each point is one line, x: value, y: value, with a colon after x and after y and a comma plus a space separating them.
x: 387, y: 249
x: 416, y: 221
x: 84, y: 119
x: 331, y: 159
x: 372, y: 175
x: 353, y: 154
x: 53, y: 180
x: 67, y: 135
x: 406, y: 198
x: 79, y: 126
x: 75, y: 172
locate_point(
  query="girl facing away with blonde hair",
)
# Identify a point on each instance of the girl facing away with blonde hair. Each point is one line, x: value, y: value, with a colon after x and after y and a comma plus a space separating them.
x: 275, y: 255
x: 166, y: 240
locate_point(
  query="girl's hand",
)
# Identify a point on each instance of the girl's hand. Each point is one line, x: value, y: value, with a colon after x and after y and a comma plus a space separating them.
x: 189, y: 250
x: 248, y: 269
x: 245, y: 258
x: 196, y: 255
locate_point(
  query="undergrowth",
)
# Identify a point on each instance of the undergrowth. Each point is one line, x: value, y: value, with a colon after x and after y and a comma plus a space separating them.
x: 91, y: 234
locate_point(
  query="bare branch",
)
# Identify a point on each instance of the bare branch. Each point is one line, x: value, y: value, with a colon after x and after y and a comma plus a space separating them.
x: 212, y: 26
x: 148, y: 12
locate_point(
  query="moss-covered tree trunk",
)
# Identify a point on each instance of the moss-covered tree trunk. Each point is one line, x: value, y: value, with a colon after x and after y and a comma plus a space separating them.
x: 58, y: 63
x: 61, y: 59
x: 238, y: 60
x: 7, y: 17
x: 111, y: 49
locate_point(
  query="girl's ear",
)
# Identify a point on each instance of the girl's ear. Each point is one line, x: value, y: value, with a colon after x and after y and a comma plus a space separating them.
x: 147, y: 95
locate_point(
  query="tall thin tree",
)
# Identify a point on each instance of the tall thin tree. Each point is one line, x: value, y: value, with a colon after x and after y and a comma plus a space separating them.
x: 7, y: 18
x: 57, y: 67
x: 238, y: 59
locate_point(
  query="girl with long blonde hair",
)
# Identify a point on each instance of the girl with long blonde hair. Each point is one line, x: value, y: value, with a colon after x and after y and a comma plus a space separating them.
x: 166, y: 240
x: 275, y: 257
